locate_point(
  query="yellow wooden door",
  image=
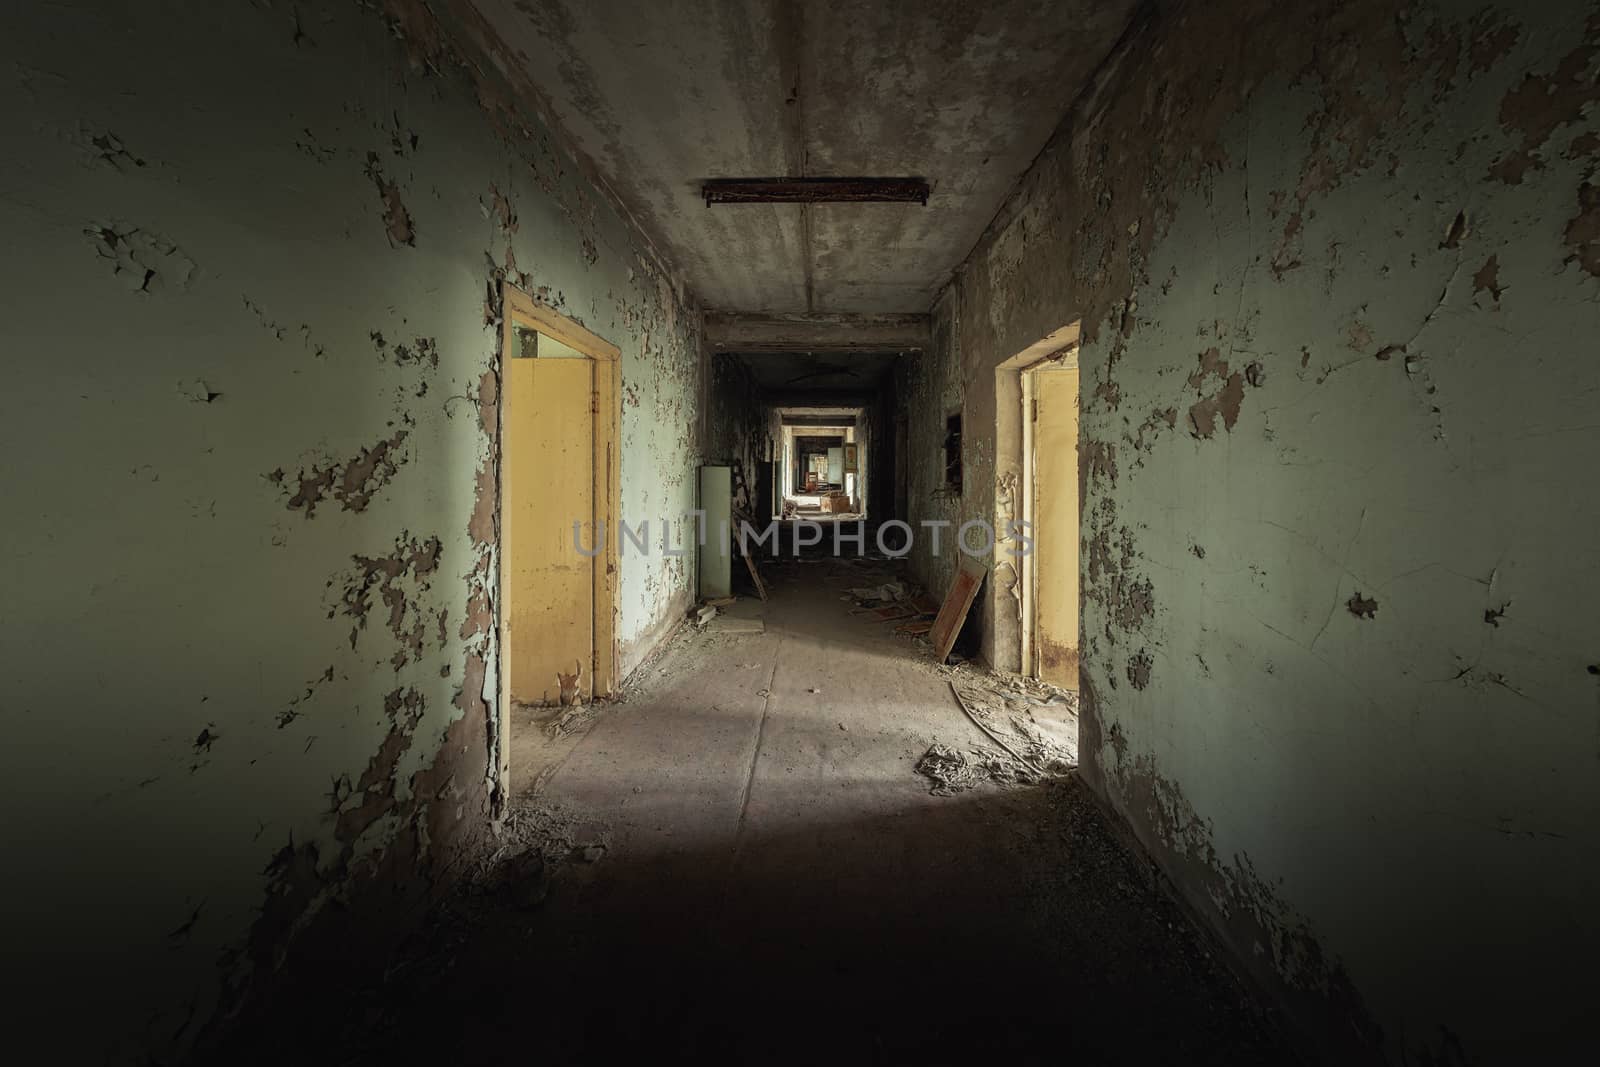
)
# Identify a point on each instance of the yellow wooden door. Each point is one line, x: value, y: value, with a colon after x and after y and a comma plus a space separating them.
x: 1055, y: 525
x: 548, y: 483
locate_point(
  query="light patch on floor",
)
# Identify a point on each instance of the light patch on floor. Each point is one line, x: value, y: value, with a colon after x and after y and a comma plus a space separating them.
x: 740, y: 861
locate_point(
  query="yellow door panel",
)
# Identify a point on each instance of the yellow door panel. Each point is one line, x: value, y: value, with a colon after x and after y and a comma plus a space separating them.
x: 1055, y: 525
x: 548, y: 483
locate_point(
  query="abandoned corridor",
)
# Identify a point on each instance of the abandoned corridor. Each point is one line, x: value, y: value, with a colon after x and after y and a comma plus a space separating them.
x: 1247, y: 344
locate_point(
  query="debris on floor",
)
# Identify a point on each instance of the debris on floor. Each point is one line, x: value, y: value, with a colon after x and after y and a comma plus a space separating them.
x: 575, y: 720
x: 728, y: 624
x: 1034, y: 725
x: 1036, y: 720
x: 894, y: 601
x: 953, y: 771
x: 704, y: 614
x: 533, y: 841
x: 887, y: 591
x: 893, y: 598
x: 949, y: 770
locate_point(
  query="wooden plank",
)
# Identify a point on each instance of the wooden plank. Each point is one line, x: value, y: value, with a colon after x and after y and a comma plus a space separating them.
x: 755, y: 575
x: 956, y: 605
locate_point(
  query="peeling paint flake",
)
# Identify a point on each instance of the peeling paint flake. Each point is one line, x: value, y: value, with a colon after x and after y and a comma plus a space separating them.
x: 1540, y: 104
x: 1362, y: 607
x: 144, y: 262
x: 101, y: 147
x: 396, y: 219
x: 398, y: 579
x: 353, y: 482
x: 1487, y: 279
x: 1582, y: 233
x: 1223, y: 402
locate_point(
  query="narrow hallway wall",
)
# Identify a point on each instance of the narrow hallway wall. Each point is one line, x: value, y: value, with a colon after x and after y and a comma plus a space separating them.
x: 880, y: 457
x: 933, y: 387
x: 252, y: 285
x: 1337, y: 266
x: 736, y: 420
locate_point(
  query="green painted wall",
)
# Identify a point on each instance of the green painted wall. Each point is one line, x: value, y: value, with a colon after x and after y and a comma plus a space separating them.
x: 252, y: 257
x: 1338, y: 272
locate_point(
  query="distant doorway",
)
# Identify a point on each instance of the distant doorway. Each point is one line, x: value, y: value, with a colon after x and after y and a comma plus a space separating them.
x: 823, y: 466
x: 902, y: 465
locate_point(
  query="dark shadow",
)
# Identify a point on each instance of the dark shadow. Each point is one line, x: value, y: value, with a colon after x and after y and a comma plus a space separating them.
x: 1006, y: 925
x: 1001, y: 923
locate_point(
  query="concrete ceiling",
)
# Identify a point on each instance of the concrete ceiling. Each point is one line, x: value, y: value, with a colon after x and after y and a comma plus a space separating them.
x: 780, y: 373
x: 840, y: 416
x: 662, y: 94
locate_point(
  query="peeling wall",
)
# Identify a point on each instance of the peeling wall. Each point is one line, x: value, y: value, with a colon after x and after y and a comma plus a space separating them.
x: 932, y: 387
x: 1335, y: 267
x: 736, y: 425
x: 253, y: 275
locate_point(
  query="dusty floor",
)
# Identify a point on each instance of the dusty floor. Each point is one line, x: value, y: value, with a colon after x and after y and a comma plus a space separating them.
x: 740, y: 862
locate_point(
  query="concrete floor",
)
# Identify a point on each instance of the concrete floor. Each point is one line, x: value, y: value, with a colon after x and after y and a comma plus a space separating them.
x: 730, y: 740
x: 759, y: 875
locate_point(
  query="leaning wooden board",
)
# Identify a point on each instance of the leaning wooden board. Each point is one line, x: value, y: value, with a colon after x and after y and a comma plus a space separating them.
x: 956, y: 605
x: 755, y: 576
x: 742, y: 516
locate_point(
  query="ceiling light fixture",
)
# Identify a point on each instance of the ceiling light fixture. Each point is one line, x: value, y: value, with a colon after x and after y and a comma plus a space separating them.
x: 815, y: 191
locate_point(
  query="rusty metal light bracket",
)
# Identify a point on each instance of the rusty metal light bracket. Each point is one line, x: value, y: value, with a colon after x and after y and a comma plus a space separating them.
x: 815, y: 191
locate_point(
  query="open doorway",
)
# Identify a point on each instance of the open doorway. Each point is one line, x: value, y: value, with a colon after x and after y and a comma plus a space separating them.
x: 559, y: 413
x: 823, y: 465
x: 1037, y: 443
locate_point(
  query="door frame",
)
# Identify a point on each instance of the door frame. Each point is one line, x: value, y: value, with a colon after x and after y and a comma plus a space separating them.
x: 519, y: 308
x: 1009, y: 644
